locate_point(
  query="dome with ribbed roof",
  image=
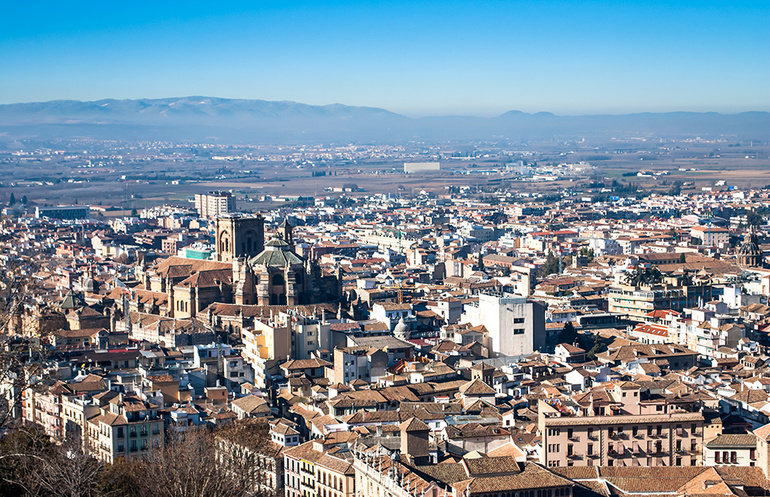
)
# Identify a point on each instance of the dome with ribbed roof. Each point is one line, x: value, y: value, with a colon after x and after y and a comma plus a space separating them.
x: 401, y: 330
x: 277, y: 253
x: 749, y: 253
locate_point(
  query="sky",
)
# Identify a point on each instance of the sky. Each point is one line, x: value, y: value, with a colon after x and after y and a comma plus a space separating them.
x: 416, y: 58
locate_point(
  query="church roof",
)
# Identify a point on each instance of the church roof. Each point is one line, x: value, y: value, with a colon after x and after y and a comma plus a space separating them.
x: 277, y: 253
x: 72, y: 300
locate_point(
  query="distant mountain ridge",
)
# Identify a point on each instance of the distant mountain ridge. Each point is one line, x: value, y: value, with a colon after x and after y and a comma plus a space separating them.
x: 241, y: 120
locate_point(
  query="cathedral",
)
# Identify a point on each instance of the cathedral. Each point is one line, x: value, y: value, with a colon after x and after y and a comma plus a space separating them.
x: 248, y: 271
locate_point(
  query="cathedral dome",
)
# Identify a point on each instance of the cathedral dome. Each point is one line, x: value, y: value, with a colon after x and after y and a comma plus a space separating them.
x: 749, y: 246
x: 277, y: 253
x: 401, y: 330
x: 749, y: 253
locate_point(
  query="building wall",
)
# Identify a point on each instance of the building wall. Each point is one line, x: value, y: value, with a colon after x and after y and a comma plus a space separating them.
x: 214, y: 204
x: 516, y: 326
x: 650, y: 440
x: 730, y: 456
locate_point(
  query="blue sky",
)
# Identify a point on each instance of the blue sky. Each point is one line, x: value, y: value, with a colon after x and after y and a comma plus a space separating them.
x: 420, y: 58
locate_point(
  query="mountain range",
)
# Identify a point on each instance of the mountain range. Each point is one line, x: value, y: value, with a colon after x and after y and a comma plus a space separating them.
x: 259, y: 121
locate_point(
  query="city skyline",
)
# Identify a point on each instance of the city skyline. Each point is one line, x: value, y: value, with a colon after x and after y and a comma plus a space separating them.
x: 424, y: 59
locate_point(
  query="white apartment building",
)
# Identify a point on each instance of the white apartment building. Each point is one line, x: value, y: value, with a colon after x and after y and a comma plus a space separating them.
x: 213, y: 204
x: 516, y: 326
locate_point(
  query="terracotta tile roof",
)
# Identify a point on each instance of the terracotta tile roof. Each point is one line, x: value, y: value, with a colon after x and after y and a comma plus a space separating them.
x: 532, y: 477
x: 732, y: 440
x: 477, y: 387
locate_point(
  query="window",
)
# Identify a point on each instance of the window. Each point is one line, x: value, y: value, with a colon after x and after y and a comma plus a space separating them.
x: 635, y: 431
x: 716, y: 457
x: 518, y: 320
x: 590, y: 449
x: 518, y: 331
x: 569, y: 432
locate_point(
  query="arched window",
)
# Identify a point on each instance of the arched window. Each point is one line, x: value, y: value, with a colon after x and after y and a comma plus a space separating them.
x: 278, y: 279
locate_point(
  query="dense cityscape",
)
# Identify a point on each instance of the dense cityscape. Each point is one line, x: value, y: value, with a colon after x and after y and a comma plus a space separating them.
x: 385, y: 249
x: 518, y: 326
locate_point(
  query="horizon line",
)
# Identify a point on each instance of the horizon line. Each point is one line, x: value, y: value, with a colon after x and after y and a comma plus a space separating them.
x: 410, y: 115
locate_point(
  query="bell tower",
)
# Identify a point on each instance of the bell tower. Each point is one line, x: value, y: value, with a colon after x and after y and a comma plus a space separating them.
x: 286, y: 232
x: 238, y: 235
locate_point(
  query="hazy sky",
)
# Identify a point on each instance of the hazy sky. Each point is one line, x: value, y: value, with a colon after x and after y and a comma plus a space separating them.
x: 417, y: 58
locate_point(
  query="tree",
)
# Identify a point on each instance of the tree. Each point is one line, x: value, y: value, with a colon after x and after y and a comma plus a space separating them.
x: 23, y: 353
x: 24, y: 200
x: 197, y: 462
x: 30, y: 464
x: 551, y: 265
x: 595, y: 348
x: 568, y: 334
x: 481, y: 261
x: 682, y: 258
x: 644, y: 276
x: 754, y: 219
x: 587, y: 253
x: 12, y: 200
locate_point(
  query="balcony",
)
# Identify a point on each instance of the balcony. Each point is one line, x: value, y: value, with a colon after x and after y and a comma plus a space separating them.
x: 574, y: 456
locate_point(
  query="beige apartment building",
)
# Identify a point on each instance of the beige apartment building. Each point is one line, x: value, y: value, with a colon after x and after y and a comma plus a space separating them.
x: 126, y: 427
x: 673, y: 439
x: 637, y: 302
x: 310, y: 472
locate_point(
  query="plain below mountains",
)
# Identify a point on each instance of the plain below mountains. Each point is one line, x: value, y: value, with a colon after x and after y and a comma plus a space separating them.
x: 260, y: 121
